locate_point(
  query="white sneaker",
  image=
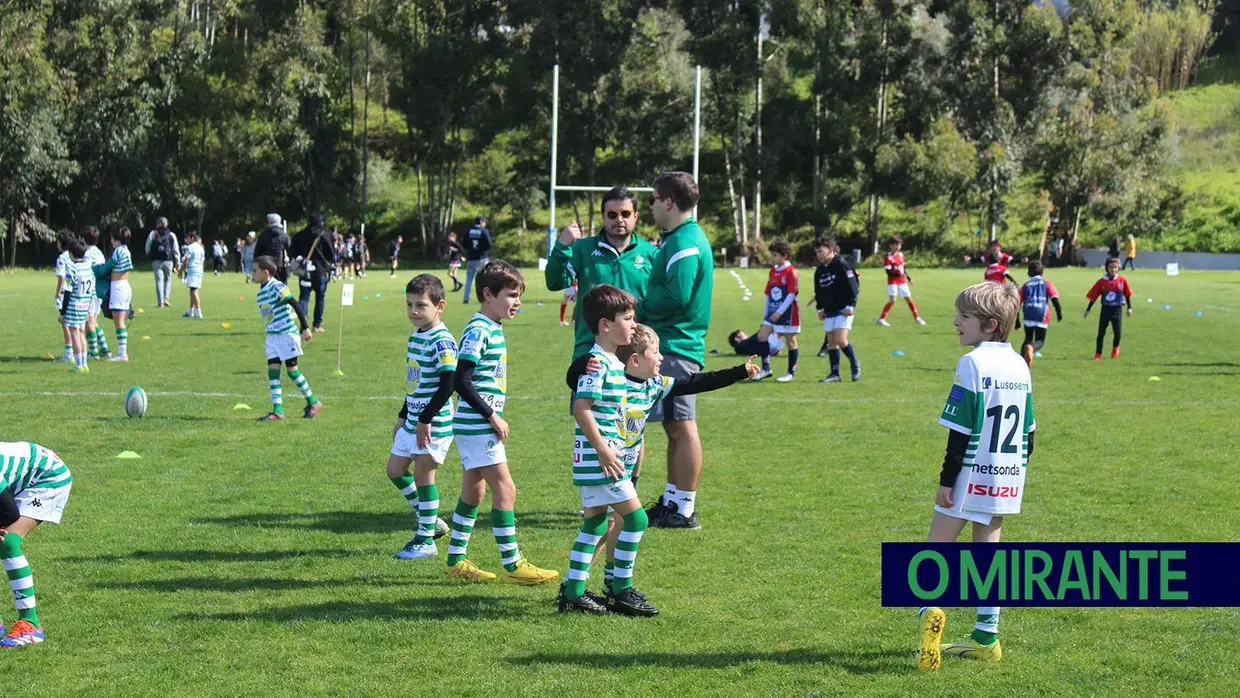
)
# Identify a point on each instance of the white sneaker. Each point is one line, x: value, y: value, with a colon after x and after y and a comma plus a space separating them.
x: 786, y: 378
x: 920, y: 321
x: 883, y: 322
x: 64, y: 359
x: 762, y: 375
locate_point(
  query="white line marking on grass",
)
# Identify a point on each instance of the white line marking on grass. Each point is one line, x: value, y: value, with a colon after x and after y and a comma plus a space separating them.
x: 712, y: 398
x: 1219, y: 307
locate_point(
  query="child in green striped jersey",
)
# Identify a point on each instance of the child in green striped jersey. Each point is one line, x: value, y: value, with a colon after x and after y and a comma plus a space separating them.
x: 644, y: 389
x: 97, y: 343
x: 112, y: 278
x: 62, y: 269
x: 78, y: 294
x: 424, y: 432
x: 277, y: 306
x: 34, y: 487
x: 598, y: 454
x: 479, y: 428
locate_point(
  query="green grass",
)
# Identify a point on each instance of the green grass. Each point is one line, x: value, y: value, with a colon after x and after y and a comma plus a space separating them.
x: 239, y: 558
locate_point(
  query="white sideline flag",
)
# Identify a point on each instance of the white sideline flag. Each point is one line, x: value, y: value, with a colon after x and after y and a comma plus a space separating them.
x: 346, y: 294
x: 542, y: 264
x: 1173, y: 269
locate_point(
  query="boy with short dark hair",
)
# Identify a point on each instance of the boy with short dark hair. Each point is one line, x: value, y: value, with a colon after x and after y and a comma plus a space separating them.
x: 479, y: 429
x: 78, y: 296
x: 835, y: 294
x: 277, y: 306
x: 989, y: 413
x: 193, y: 261
x: 63, y: 261
x: 423, y: 433
x: 1115, y: 292
x: 640, y: 360
x: 746, y: 344
x: 96, y: 341
x: 782, y: 316
x: 1036, y: 297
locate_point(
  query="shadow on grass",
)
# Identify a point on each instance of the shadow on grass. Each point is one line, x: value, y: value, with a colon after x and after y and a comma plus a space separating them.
x: 216, y: 555
x: 159, y: 417
x: 24, y: 360
x: 1203, y: 364
x: 431, y: 609
x: 379, y: 522
x: 862, y: 662
x: 268, y: 584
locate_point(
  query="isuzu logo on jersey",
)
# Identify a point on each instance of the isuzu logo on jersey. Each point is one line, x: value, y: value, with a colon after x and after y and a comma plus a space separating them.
x: 995, y: 491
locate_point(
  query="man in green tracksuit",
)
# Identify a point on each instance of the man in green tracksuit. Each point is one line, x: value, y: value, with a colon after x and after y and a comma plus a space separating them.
x: 677, y: 307
x: 616, y: 256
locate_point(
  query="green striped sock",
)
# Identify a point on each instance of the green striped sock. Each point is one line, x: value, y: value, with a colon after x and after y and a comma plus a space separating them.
x: 21, y: 581
x: 592, y: 530
x: 92, y: 344
x: 122, y: 341
x: 504, y: 527
x: 428, y: 513
x: 69, y: 351
x: 102, y: 339
x: 277, y: 393
x: 626, y: 549
x: 404, y: 483
x: 609, y: 573
x: 462, y: 528
x: 986, y: 628
x: 302, y: 385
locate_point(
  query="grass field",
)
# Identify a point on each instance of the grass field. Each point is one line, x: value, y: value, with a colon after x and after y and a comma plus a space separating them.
x: 239, y: 558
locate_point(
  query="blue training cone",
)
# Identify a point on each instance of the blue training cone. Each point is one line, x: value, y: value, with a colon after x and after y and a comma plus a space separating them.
x: 1198, y: 313
x: 897, y: 352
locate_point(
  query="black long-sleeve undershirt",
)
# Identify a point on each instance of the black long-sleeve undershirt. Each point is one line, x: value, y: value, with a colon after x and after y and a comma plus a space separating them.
x: 465, y: 388
x: 1058, y: 308
x: 953, y: 462
x: 8, y: 508
x: 442, y: 394
x: 702, y: 382
x: 301, y: 314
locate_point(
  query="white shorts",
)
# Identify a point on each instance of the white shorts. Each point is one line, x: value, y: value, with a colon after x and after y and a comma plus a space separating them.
x: 194, y: 279
x: 120, y: 295
x: 96, y: 306
x: 606, y: 495
x: 480, y: 450
x: 283, y: 346
x: 974, y: 516
x: 570, y: 294
x: 405, y: 445
x: 43, y: 504
x: 783, y: 329
x: 900, y: 290
x: 837, y: 322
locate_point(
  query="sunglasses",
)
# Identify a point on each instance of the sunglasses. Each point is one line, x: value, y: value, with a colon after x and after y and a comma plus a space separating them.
x: 655, y: 199
x: 615, y: 215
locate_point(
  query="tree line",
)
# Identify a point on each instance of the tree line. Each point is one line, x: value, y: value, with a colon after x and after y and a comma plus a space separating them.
x: 855, y: 117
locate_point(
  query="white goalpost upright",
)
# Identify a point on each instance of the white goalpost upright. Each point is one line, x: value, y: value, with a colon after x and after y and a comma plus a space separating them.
x: 552, y: 231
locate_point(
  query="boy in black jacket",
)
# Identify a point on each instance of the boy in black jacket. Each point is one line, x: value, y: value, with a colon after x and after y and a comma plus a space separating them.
x: 835, y: 294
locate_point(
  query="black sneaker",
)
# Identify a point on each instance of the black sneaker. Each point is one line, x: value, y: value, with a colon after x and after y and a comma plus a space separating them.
x: 627, y: 603
x: 856, y: 373
x: 675, y: 519
x: 607, y: 588
x: 596, y: 598
x: 833, y: 378
x: 581, y: 604
x: 656, y: 512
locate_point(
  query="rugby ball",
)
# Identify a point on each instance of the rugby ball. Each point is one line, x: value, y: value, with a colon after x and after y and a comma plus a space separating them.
x: 135, y: 402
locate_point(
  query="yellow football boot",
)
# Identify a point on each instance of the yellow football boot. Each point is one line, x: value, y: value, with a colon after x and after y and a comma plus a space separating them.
x: 528, y: 574
x: 469, y: 572
x: 929, y: 655
x: 972, y: 649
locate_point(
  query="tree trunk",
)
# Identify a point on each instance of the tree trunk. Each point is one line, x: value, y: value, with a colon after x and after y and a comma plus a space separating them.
x: 736, y: 211
x: 366, y: 133
x: 875, y: 206
x: 757, y: 179
x: 421, y: 212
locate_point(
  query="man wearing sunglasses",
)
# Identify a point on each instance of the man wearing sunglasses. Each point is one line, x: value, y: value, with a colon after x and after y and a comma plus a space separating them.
x: 677, y: 306
x: 615, y: 256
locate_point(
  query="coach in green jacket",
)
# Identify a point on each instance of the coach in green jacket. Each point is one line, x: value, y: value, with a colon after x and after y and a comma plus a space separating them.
x: 615, y: 256
x: 677, y: 306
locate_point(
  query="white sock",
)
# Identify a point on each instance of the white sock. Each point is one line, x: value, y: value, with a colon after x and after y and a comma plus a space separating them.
x: 669, y: 493
x: 684, y: 502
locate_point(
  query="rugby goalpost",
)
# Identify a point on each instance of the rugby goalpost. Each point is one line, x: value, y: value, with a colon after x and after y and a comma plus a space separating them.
x: 552, y: 231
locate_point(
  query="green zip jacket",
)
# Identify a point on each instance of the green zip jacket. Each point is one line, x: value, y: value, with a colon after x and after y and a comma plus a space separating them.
x: 677, y: 302
x: 593, y: 261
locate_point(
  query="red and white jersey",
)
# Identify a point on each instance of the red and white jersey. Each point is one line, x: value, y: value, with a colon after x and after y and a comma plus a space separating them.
x: 780, y: 285
x: 894, y: 264
x: 997, y: 266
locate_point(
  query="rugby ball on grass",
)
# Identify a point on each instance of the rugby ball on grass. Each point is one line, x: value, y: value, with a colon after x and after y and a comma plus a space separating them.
x: 135, y: 402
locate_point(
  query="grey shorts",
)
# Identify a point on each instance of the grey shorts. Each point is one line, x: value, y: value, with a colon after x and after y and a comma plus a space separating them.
x: 676, y: 409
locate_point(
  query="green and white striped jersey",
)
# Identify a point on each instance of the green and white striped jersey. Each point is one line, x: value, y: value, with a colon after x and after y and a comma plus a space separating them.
x: 991, y: 400
x: 640, y: 399
x: 25, y: 465
x: 94, y: 256
x: 482, y: 342
x: 273, y: 303
x: 80, y: 281
x: 431, y: 353
x: 121, y: 260
x: 607, y: 389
